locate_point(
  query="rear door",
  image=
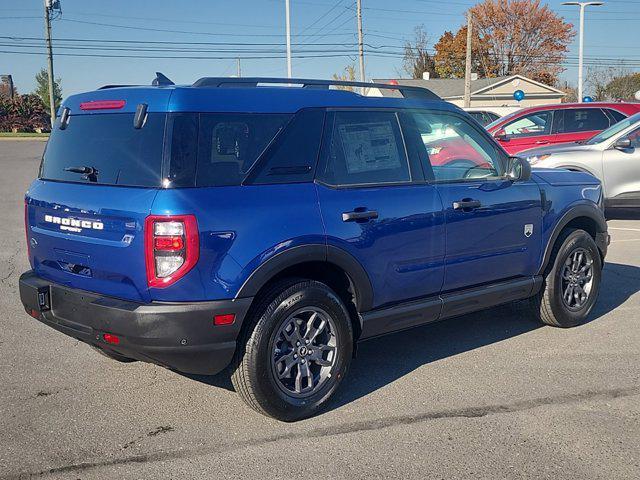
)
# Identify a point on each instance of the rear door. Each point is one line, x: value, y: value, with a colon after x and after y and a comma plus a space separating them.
x: 493, y: 225
x: 528, y: 131
x: 86, y: 229
x: 377, y: 207
x: 578, y: 124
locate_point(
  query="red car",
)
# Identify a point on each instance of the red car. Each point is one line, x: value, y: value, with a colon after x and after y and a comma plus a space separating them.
x: 562, y: 123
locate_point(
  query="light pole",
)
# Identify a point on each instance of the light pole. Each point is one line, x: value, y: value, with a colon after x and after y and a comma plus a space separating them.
x: 288, y: 15
x: 582, y: 6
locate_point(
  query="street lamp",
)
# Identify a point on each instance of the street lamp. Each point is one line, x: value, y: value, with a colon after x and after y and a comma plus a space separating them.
x: 582, y: 6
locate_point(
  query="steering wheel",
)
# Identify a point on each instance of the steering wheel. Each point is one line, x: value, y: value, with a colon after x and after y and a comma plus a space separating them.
x: 478, y: 171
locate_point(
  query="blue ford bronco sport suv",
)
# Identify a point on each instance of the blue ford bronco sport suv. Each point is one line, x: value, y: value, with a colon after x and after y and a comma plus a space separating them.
x: 268, y: 225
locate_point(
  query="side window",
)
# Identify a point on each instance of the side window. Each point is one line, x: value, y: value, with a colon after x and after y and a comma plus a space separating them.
x: 292, y: 156
x: 635, y: 138
x: 363, y: 147
x: 229, y: 144
x: 584, y: 120
x: 454, y: 148
x: 537, y: 123
x: 616, y: 115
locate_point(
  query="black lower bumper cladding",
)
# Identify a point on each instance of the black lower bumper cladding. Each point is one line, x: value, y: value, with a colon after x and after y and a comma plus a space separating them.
x: 180, y: 336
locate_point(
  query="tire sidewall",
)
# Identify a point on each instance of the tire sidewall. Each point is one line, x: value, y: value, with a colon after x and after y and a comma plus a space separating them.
x: 565, y: 316
x: 274, y: 399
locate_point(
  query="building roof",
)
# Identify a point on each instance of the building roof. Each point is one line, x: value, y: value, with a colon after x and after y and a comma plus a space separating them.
x: 448, y: 88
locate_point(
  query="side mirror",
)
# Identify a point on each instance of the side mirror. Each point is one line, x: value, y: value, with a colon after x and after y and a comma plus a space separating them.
x: 519, y: 169
x: 622, y: 144
x: 500, y: 135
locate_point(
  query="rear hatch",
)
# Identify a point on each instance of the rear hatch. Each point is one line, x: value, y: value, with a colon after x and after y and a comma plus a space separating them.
x: 98, y: 180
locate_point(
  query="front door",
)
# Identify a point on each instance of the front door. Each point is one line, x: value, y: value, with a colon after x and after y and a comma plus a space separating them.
x: 493, y: 225
x: 622, y: 172
x: 529, y: 131
x: 377, y: 207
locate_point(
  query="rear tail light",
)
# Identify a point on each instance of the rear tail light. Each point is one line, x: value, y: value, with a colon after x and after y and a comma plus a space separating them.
x: 171, y: 248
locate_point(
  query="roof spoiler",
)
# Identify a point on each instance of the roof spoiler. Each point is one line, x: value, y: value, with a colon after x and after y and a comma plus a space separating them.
x: 249, y: 82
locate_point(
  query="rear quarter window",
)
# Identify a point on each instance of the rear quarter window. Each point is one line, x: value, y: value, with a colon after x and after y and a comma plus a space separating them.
x: 218, y: 149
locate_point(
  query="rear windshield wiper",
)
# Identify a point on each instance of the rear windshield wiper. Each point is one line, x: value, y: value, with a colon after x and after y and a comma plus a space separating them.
x: 88, y: 173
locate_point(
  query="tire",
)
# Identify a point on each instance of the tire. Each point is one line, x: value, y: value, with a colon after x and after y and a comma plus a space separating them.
x: 268, y: 370
x: 113, y: 355
x: 555, y: 305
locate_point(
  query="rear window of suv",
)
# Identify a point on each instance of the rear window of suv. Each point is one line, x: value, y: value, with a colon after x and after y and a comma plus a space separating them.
x: 107, y: 143
x: 201, y: 149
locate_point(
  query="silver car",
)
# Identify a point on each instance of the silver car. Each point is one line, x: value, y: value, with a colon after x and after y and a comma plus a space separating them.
x: 613, y: 156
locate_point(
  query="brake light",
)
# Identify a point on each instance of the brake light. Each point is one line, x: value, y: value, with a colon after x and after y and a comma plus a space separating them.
x: 102, y: 105
x: 172, y: 248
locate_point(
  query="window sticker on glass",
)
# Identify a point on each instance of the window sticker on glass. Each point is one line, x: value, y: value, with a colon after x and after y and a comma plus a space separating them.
x: 369, y: 146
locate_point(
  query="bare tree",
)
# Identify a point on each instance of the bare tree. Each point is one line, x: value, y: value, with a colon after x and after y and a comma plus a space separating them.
x: 417, y: 59
x: 348, y: 74
x: 597, y: 79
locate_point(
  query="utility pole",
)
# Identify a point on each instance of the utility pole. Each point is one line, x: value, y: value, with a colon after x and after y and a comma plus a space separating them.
x: 582, y: 6
x: 467, y: 64
x: 50, y: 5
x: 239, y: 73
x: 360, y: 41
x: 288, y: 15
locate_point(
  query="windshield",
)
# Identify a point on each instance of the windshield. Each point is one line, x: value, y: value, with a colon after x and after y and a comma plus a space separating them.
x: 614, y: 129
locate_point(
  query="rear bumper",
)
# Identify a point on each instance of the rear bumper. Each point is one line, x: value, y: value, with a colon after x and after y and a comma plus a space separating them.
x: 180, y: 336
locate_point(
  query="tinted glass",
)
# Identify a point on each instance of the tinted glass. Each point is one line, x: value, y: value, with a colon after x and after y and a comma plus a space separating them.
x: 217, y: 149
x: 583, y: 120
x: 483, y: 118
x: 107, y: 143
x: 229, y: 144
x: 614, y: 129
x: 635, y: 138
x: 454, y: 148
x: 538, y: 123
x: 363, y: 148
x: 292, y: 156
x: 616, y: 115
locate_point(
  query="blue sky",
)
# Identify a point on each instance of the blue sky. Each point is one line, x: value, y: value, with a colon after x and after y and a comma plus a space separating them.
x: 611, y: 34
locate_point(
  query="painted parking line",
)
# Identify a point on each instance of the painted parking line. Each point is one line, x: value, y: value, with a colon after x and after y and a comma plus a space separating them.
x: 626, y: 240
x: 625, y: 229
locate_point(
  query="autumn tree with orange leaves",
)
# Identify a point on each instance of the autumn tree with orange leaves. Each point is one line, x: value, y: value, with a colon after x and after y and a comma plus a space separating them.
x: 450, y: 55
x: 523, y: 37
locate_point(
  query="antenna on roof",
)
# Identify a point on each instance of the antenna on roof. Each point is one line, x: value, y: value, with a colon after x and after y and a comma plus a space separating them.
x: 161, y: 79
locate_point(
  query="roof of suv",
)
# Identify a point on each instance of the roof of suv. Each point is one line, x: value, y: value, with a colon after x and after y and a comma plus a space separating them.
x: 242, y: 97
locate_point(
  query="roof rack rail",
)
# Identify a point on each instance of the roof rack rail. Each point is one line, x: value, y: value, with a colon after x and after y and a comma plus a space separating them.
x: 245, y: 82
x: 105, y: 87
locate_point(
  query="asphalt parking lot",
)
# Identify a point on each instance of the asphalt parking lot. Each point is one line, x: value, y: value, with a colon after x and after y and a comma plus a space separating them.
x: 489, y: 395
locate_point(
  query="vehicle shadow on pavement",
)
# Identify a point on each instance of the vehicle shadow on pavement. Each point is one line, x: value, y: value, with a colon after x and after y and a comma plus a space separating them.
x: 623, y: 214
x: 383, y: 360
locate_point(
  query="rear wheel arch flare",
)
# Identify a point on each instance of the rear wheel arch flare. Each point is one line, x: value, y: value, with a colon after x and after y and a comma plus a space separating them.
x: 318, y: 262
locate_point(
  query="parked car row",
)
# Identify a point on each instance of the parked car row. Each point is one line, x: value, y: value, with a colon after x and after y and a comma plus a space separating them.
x: 602, y: 139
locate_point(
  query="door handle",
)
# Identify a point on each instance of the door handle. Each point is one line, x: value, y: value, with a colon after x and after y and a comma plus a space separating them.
x: 466, y: 204
x: 542, y: 142
x: 359, y: 215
